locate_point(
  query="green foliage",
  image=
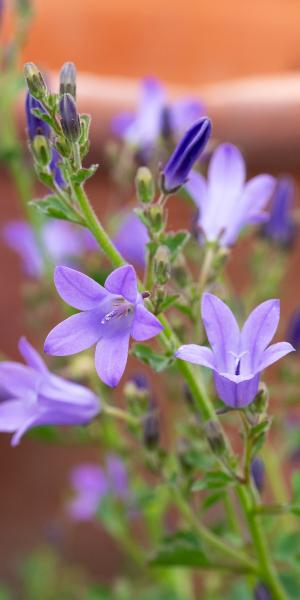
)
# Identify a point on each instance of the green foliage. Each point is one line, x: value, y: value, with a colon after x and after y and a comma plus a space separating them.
x: 180, y: 550
x: 156, y: 361
x: 55, y: 207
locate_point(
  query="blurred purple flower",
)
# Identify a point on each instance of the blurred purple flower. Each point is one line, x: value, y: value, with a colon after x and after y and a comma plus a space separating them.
x: 226, y: 203
x: 110, y: 315
x: 34, y: 396
x: 281, y: 228
x: 237, y: 357
x: 257, y: 470
x: 143, y: 128
x: 62, y: 241
x: 293, y: 332
x: 131, y: 240
x: 92, y: 483
x: 186, y: 153
x: 261, y: 592
x: 35, y: 125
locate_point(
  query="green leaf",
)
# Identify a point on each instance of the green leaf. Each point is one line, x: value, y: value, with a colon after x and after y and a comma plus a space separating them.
x: 42, y: 115
x: 211, y: 499
x: 180, y: 550
x: 176, y: 242
x: 213, y: 480
x: 158, y: 362
x: 166, y: 303
x: 83, y: 174
x: 54, y: 206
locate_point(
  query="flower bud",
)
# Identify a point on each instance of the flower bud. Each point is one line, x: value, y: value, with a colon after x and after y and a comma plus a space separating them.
x: 35, y: 81
x: 257, y: 470
x: 162, y: 265
x: 136, y: 392
x: 63, y: 146
x: 261, y: 592
x: 180, y: 163
x: 41, y: 150
x: 35, y: 126
x: 151, y: 433
x: 214, y: 436
x: 144, y: 185
x: 293, y: 334
x: 261, y: 400
x: 70, y: 121
x: 67, y: 79
x: 155, y: 217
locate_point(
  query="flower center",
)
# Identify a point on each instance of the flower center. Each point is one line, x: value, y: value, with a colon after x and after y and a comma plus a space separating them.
x: 121, y: 308
x: 237, y: 362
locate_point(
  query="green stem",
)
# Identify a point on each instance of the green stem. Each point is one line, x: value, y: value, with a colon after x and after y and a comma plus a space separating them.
x: 118, y: 413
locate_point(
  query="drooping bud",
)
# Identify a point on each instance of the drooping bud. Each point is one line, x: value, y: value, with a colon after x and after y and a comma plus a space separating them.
x: 35, y: 81
x: 162, y: 265
x: 70, y: 121
x: 257, y: 470
x: 214, y: 436
x: 67, y: 79
x: 151, y: 433
x: 41, y: 150
x: 180, y: 163
x: 280, y: 228
x: 144, y: 183
x: 261, y: 592
x: 35, y: 125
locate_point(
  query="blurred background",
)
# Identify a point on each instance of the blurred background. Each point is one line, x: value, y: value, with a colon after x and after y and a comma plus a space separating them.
x: 243, y: 59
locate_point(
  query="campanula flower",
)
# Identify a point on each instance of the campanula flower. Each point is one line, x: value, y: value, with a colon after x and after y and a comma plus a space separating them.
x: 225, y: 201
x: 62, y: 241
x: 34, y: 396
x: 281, y: 228
x: 175, y: 173
x: 236, y: 357
x: 91, y: 483
x: 110, y: 315
x: 154, y: 115
x: 293, y: 332
x: 131, y: 240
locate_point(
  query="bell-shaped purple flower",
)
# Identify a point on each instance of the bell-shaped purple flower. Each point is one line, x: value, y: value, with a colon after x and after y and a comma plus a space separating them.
x: 293, y: 332
x: 186, y: 153
x: 34, y: 396
x: 226, y: 203
x: 110, y: 315
x: 280, y: 227
x: 131, y: 240
x: 35, y: 126
x: 236, y: 357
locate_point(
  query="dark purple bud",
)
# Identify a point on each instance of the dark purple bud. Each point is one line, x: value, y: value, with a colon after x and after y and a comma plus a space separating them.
x: 293, y: 333
x: 257, y: 471
x: 261, y: 592
x: 180, y: 163
x: 56, y: 170
x: 67, y: 80
x: 151, y: 427
x: 35, y: 126
x: 281, y: 228
x: 70, y: 121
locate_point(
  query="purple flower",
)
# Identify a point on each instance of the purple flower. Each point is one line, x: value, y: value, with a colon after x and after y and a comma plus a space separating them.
x: 92, y: 483
x: 131, y: 240
x: 180, y: 163
x: 34, y: 396
x: 257, y: 469
x: 293, y: 333
x: 226, y: 203
x: 110, y: 315
x: 55, y: 169
x: 143, y: 129
x: 281, y: 228
x: 35, y: 126
x: 261, y: 592
x: 237, y: 357
x: 70, y: 121
x: 62, y: 241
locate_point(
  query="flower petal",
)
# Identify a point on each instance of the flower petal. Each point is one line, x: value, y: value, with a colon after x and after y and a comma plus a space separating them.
x: 274, y: 353
x: 75, y: 334
x: 122, y: 281
x: 77, y: 289
x: 111, y: 357
x: 145, y: 324
x: 14, y: 413
x: 131, y: 240
x: 257, y: 333
x: 18, y: 380
x: 236, y: 395
x: 198, y: 355
x: 196, y: 187
x: 31, y: 356
x: 222, y: 331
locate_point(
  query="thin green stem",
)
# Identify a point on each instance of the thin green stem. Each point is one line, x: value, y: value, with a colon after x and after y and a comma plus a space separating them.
x: 118, y: 413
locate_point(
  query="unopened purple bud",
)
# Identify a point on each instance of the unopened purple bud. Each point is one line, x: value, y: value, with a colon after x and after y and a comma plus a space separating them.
x: 293, y: 335
x: 261, y: 592
x: 257, y: 470
x: 70, y: 121
x: 67, y: 80
x: 35, y: 126
x: 180, y: 163
x: 151, y: 427
x: 281, y: 228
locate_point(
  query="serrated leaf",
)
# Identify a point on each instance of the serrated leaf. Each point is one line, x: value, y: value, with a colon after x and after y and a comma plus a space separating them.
x: 83, y: 174
x: 55, y: 207
x: 176, y: 242
x: 180, y: 550
x: 158, y: 362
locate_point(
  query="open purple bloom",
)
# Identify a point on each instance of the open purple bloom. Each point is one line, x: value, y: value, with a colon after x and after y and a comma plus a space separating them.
x: 91, y: 483
x: 143, y: 129
x: 110, y: 315
x: 131, y: 240
x: 281, y: 228
x: 62, y: 241
x: 186, y: 153
x: 225, y: 201
x: 34, y: 396
x: 237, y: 357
